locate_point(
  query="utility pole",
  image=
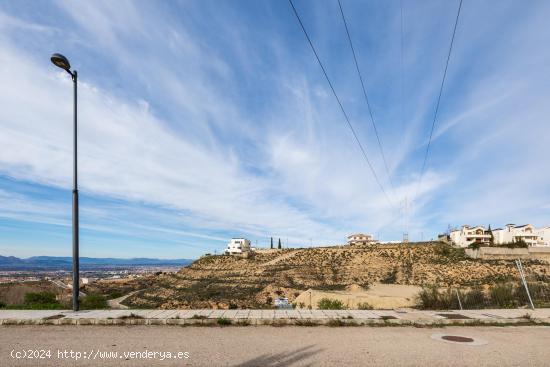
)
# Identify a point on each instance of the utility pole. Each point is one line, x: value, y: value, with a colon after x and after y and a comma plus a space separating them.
x: 406, y: 220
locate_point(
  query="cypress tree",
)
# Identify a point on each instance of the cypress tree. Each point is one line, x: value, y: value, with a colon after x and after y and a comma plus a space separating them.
x: 279, y: 246
x: 492, y: 238
x: 271, y: 242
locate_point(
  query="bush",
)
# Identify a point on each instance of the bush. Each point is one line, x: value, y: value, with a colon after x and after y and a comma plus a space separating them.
x: 446, y: 253
x: 474, y: 299
x: 330, y: 304
x: 540, y: 292
x: 93, y: 302
x: 2, y: 305
x: 431, y: 298
x: 475, y: 246
x: 390, y: 278
x: 223, y: 321
x: 114, y: 294
x: 39, y: 298
x: 502, y: 295
x: 37, y: 301
x: 364, y: 306
x: 515, y: 244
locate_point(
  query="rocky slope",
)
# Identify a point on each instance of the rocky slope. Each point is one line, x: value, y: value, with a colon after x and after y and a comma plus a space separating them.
x: 233, y: 282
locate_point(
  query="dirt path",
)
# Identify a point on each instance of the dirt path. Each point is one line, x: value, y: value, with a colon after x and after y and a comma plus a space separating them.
x: 115, y: 302
x: 280, y: 258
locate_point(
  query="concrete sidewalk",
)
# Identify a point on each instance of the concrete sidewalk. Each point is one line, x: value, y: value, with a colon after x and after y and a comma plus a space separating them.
x: 274, y: 317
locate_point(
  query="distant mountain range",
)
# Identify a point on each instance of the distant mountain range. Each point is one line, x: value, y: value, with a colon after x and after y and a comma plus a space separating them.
x: 57, y: 262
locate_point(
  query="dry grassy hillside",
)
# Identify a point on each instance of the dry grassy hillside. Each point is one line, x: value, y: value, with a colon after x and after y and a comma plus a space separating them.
x: 233, y: 282
x: 14, y: 293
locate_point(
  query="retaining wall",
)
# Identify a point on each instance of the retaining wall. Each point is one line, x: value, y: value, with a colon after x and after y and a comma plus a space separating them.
x: 503, y: 253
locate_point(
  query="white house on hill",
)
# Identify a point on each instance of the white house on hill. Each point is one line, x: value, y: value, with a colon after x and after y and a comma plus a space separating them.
x: 238, y: 246
x: 513, y: 233
x: 467, y: 235
x: 360, y: 239
x: 544, y: 236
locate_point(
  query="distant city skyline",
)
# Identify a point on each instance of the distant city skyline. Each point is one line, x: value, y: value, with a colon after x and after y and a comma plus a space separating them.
x: 202, y: 121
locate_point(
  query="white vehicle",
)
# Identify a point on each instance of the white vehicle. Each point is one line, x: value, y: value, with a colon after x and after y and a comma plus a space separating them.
x: 282, y: 302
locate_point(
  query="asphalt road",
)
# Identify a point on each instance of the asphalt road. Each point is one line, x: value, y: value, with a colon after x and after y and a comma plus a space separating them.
x: 272, y: 346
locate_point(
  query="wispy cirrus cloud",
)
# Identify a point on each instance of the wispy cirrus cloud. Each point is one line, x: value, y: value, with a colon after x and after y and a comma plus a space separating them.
x: 202, y: 126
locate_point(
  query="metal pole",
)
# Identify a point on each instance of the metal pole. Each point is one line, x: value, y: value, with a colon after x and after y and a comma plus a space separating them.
x: 522, y: 274
x: 76, y: 280
x: 458, y: 297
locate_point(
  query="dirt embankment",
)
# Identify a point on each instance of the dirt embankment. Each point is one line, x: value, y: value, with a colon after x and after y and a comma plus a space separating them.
x: 233, y: 282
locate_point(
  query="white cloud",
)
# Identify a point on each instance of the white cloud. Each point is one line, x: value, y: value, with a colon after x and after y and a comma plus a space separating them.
x: 187, y: 133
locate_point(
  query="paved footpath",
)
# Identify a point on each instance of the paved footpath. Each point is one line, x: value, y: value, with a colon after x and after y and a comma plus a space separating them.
x: 275, y: 317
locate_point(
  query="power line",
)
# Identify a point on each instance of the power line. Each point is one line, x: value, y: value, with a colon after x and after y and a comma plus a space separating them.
x: 365, y: 94
x: 438, y: 100
x: 339, y: 103
x: 402, y: 86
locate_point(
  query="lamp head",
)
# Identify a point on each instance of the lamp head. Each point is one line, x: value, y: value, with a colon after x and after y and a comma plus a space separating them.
x: 61, y: 62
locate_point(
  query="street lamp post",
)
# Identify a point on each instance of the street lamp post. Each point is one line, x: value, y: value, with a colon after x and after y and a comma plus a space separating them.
x: 62, y: 62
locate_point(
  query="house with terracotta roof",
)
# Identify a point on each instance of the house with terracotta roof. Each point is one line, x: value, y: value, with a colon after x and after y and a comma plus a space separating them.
x: 360, y: 239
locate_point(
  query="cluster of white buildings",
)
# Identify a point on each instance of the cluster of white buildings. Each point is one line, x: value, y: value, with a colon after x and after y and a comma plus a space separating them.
x: 466, y: 235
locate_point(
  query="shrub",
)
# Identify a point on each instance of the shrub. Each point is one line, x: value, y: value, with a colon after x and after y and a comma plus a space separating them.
x: 475, y: 245
x: 447, y: 253
x: 431, y: 298
x: 131, y: 316
x: 335, y: 323
x: 39, y: 298
x: 330, y: 304
x: 390, y: 278
x: 502, y: 295
x: 515, y: 244
x: 223, y: 321
x: 364, y: 306
x: 2, y: 305
x: 475, y: 298
x: 198, y: 317
x: 540, y: 292
x: 114, y: 294
x: 93, y: 302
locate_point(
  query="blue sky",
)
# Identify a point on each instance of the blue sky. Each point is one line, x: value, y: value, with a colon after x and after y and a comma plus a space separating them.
x: 204, y: 120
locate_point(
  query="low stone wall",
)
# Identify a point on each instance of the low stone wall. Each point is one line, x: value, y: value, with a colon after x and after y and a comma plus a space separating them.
x: 503, y: 253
